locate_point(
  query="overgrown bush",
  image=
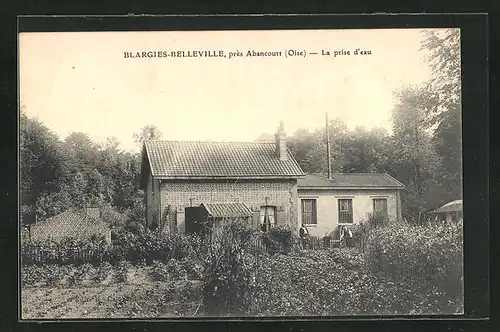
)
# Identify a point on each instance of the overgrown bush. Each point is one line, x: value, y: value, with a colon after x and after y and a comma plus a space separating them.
x: 122, y: 271
x: 145, y: 245
x: 45, y: 275
x: 279, y: 239
x: 427, y: 259
x: 104, y: 271
x: 193, y: 267
x: 363, y: 229
x: 313, y: 283
x: 228, y: 267
x: 159, y: 271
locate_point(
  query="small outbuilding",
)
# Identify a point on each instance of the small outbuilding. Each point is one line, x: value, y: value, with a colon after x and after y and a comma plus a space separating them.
x: 72, y: 223
x: 451, y: 211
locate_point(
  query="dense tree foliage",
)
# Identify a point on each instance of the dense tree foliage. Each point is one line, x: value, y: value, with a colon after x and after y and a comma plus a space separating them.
x: 76, y: 172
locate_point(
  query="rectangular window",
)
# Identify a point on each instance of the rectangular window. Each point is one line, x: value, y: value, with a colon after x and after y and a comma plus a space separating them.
x: 309, y: 213
x: 345, y: 211
x: 267, y: 217
x: 380, y: 206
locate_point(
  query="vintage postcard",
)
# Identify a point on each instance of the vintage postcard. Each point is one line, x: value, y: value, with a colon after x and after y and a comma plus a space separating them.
x: 271, y: 173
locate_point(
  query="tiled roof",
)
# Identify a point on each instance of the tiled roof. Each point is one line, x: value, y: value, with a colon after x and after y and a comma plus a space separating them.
x: 347, y: 180
x: 227, y: 210
x: 69, y: 224
x: 184, y: 159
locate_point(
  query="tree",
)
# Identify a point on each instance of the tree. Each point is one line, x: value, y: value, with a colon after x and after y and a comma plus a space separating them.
x: 443, y: 55
x: 448, y: 144
x: 81, y: 152
x: 266, y: 137
x: 309, y: 151
x: 309, y: 148
x: 147, y: 133
x: 363, y: 151
x: 416, y: 161
x: 41, y: 160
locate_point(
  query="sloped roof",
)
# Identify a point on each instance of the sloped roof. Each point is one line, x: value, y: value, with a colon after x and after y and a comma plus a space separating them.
x: 69, y: 224
x: 453, y: 206
x: 227, y: 210
x: 188, y: 159
x: 349, y: 180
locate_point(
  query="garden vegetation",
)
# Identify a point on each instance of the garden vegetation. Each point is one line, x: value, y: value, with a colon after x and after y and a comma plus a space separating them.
x: 395, y: 268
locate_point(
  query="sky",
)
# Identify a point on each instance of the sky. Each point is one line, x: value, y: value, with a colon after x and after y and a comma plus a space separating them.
x: 81, y: 82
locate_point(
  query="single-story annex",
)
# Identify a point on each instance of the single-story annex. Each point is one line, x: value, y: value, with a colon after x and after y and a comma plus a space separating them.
x: 187, y: 181
x: 346, y: 199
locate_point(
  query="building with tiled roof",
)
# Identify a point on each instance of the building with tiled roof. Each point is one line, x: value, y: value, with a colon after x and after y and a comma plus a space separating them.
x: 346, y: 199
x: 188, y: 182
x: 180, y: 174
x: 72, y: 223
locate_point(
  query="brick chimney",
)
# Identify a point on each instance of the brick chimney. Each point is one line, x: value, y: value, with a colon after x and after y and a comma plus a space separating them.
x: 280, y: 140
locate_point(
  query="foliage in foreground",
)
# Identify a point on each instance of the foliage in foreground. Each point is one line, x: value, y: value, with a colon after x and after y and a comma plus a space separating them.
x: 427, y: 259
x: 279, y: 239
x: 403, y: 269
x: 228, y: 264
x: 335, y: 282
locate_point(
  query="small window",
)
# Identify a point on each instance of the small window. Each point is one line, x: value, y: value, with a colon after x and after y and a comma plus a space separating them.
x: 380, y: 206
x: 345, y: 211
x: 309, y: 212
x: 267, y: 217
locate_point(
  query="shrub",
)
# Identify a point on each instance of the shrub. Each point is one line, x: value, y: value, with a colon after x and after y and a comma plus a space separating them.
x: 309, y: 283
x: 363, y: 230
x: 426, y: 259
x: 159, y: 271
x: 104, y: 271
x: 193, y: 268
x: 280, y: 239
x: 32, y: 275
x: 228, y: 267
x: 122, y: 271
x: 176, y: 270
x: 145, y: 245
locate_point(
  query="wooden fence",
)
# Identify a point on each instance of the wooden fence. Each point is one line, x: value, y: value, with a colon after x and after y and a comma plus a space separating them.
x: 310, y: 243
